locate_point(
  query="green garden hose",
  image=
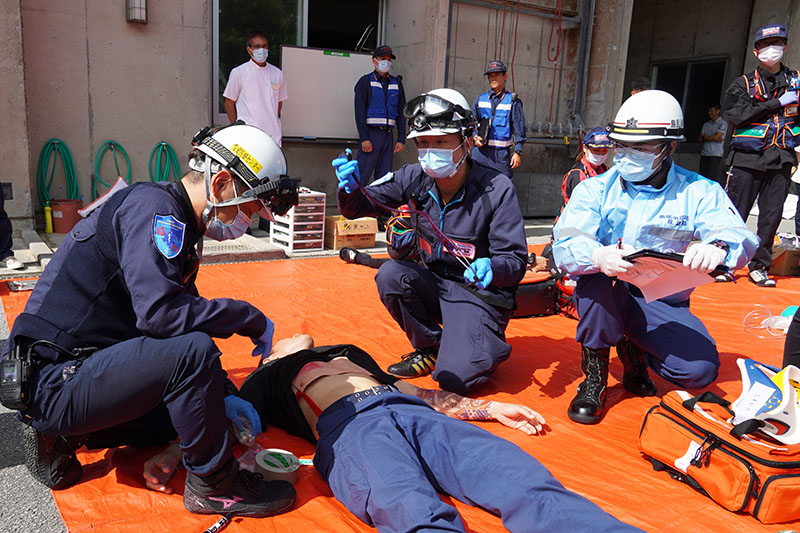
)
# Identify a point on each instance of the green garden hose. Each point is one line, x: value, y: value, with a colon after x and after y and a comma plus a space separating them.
x: 114, y: 146
x: 165, y: 162
x: 43, y: 183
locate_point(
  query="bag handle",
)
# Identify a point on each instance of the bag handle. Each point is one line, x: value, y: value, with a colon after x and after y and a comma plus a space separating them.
x: 707, y: 397
x: 747, y: 427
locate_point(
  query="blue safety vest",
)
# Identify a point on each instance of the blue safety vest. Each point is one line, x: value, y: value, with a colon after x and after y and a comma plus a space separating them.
x: 382, y: 110
x: 499, y: 135
x: 779, y: 130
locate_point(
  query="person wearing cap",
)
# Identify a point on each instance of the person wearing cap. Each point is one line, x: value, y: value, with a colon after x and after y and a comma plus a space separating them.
x: 120, y: 341
x: 590, y: 162
x: 378, y: 104
x: 762, y: 108
x: 645, y: 201
x: 501, y: 131
x: 454, y: 304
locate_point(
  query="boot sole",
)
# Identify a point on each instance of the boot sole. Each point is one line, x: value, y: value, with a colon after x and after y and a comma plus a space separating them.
x: 30, y: 440
x: 583, y: 419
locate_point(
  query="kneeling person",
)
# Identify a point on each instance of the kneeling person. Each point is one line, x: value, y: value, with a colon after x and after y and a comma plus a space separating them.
x: 471, y: 219
x: 644, y: 201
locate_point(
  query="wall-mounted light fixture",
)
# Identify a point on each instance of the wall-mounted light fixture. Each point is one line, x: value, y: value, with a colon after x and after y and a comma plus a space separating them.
x: 136, y: 11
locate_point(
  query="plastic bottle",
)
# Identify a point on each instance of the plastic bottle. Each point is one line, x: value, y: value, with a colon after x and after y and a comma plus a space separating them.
x: 243, y: 431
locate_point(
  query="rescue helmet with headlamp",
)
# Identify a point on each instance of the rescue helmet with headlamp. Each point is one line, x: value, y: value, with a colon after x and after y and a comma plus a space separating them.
x: 251, y: 155
x: 439, y: 112
x: 648, y: 116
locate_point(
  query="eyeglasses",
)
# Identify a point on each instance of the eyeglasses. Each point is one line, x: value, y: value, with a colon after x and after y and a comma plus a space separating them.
x: 258, y: 46
x: 770, y: 41
x: 638, y: 149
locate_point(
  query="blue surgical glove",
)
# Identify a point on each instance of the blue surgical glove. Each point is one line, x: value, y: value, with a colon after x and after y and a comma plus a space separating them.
x: 483, y: 269
x: 788, y: 98
x: 347, y: 172
x: 236, y: 407
x: 264, y: 342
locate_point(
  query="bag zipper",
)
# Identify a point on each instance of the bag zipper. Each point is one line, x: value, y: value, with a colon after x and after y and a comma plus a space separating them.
x: 769, y: 480
x: 753, y: 457
x: 715, y: 443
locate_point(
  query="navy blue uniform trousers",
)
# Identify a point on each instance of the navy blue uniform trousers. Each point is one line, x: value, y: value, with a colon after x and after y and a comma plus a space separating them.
x: 771, y: 187
x: 119, y: 396
x: 386, y: 457
x: 496, y: 158
x: 380, y: 158
x: 678, y: 346
x: 471, y: 338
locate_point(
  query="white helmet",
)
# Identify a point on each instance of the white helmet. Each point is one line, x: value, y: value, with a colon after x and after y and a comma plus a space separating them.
x: 769, y: 396
x: 439, y: 112
x: 648, y: 116
x: 253, y: 156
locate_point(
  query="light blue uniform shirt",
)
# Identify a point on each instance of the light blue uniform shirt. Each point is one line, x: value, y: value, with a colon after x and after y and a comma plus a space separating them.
x: 689, y: 206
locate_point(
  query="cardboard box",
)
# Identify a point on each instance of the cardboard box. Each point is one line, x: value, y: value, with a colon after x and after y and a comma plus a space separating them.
x: 357, y: 233
x: 785, y: 261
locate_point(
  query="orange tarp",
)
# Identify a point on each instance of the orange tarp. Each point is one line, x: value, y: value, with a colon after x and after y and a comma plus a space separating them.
x: 338, y: 303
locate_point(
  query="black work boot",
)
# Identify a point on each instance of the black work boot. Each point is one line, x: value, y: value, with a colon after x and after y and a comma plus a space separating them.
x: 635, y: 378
x: 420, y: 362
x: 230, y: 490
x: 51, y: 459
x: 587, y: 405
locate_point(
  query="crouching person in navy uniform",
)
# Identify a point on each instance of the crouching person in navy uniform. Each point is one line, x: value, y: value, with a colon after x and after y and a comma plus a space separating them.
x: 454, y: 304
x: 644, y: 201
x: 121, y: 343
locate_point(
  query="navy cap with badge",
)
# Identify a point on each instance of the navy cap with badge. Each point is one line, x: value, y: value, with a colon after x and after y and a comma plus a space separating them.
x: 598, y: 138
x: 769, y: 31
x: 495, y: 66
x: 383, y: 50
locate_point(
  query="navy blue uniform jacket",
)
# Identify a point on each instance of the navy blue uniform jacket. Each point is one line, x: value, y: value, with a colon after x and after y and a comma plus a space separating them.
x: 484, y: 213
x: 108, y: 282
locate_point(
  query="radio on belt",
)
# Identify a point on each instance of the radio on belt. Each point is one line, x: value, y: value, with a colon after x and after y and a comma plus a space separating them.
x: 15, y: 375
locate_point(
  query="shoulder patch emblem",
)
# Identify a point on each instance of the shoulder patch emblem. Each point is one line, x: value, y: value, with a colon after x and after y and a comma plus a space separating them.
x: 168, y: 235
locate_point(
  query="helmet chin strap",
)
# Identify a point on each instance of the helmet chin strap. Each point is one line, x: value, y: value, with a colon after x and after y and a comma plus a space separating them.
x: 207, y: 179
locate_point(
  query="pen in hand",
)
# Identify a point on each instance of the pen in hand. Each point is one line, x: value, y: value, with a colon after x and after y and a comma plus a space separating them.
x: 619, y: 243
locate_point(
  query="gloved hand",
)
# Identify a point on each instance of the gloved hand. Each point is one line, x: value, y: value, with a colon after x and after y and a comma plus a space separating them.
x: 483, y: 269
x: 236, y: 407
x: 347, y: 172
x: 788, y: 98
x: 264, y: 342
x: 704, y: 258
x: 609, y: 259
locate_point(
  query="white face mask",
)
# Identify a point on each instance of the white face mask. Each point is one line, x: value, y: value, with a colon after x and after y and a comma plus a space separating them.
x: 260, y: 54
x: 384, y: 65
x: 636, y: 166
x: 771, y: 55
x: 594, y: 159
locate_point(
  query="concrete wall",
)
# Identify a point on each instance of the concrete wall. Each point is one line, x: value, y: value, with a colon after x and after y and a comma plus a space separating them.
x: 14, y: 135
x: 91, y: 77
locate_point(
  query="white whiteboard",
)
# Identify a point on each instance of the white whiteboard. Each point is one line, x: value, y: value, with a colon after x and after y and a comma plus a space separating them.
x: 320, y: 84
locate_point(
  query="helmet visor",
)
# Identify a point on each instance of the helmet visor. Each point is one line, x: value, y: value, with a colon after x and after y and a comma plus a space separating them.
x: 430, y: 112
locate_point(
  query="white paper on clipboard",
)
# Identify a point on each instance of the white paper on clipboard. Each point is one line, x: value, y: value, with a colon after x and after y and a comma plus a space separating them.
x: 658, y: 277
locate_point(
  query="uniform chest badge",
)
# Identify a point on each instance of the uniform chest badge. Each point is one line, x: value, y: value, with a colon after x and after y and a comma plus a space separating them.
x: 168, y: 235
